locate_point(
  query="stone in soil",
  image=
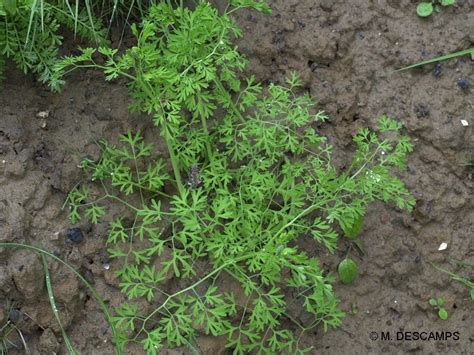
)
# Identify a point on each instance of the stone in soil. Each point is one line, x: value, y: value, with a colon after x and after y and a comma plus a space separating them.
x: 437, y: 70
x: 74, y: 235
x: 464, y: 84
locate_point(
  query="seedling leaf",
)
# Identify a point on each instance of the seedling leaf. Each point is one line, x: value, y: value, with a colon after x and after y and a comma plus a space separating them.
x: 424, y: 9
x: 447, y: 2
x: 443, y: 314
x: 347, y: 271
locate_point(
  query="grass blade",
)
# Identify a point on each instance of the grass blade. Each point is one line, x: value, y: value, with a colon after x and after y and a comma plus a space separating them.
x: 25, y: 345
x: 76, y: 17
x: 91, y: 20
x: 439, y: 59
x: 42, y: 14
x: 49, y: 287
x: 30, y: 23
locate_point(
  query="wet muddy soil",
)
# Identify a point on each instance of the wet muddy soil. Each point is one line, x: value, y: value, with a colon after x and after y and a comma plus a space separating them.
x: 345, y: 52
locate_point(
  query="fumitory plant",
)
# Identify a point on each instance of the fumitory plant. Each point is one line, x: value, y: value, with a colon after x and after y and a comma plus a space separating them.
x: 249, y: 177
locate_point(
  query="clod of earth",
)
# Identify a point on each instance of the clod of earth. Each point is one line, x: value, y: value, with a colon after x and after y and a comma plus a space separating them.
x: 48, y: 344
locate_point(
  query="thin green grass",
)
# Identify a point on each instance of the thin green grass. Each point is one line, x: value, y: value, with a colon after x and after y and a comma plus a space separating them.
x: 52, y: 301
x: 5, y: 343
x: 113, y: 9
x: 43, y: 253
x: 23, y: 341
x: 458, y: 278
x: 31, y: 34
x: 439, y: 59
x: 70, y: 10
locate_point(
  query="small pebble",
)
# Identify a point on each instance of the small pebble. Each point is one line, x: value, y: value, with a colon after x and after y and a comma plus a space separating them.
x: 463, y: 84
x: 74, y: 235
x: 327, y: 5
x: 443, y: 246
x: 43, y: 114
x: 437, y: 70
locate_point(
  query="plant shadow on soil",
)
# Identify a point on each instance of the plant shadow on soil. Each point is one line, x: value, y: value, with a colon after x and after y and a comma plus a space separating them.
x: 343, y: 51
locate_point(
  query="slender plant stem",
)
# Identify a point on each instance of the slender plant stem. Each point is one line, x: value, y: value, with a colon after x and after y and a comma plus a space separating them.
x: 206, y: 131
x: 191, y: 287
x: 49, y: 287
x: 230, y: 101
x: 169, y: 140
x: 175, y: 165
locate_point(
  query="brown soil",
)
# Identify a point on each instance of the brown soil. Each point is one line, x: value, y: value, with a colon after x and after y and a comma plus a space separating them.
x: 345, y: 52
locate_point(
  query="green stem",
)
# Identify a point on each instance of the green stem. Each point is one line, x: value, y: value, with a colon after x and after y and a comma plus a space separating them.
x: 174, y: 163
x: 230, y: 101
x: 191, y: 287
x: 49, y: 288
x: 208, y: 145
x: 169, y: 143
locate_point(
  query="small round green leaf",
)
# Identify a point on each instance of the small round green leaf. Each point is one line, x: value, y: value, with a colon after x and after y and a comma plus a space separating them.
x: 443, y: 314
x: 424, y: 9
x: 433, y: 302
x: 447, y: 2
x: 440, y: 301
x: 347, y: 271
